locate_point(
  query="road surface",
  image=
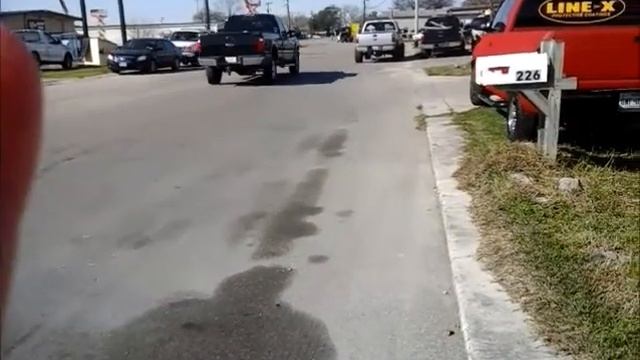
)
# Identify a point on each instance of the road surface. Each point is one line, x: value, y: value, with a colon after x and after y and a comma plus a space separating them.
x: 172, y: 219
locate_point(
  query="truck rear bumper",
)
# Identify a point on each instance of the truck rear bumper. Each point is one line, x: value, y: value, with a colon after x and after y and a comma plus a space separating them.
x: 375, y: 48
x: 244, y: 60
x: 442, y: 45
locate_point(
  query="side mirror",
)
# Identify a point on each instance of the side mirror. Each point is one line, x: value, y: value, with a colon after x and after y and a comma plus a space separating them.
x: 56, y: 41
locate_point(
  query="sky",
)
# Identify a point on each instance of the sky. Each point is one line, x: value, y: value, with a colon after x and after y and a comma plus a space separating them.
x: 172, y: 10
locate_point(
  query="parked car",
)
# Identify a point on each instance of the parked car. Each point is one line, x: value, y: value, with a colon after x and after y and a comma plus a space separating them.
x: 146, y: 55
x: 45, y: 48
x: 442, y: 34
x: 378, y: 38
x: 188, y: 42
x: 250, y: 44
x: 602, y: 50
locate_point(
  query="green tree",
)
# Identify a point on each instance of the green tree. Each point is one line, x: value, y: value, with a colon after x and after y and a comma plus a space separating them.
x: 326, y: 19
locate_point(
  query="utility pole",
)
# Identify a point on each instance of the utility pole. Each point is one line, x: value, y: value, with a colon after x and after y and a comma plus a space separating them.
x: 123, y: 23
x: 207, y: 15
x: 289, y: 14
x: 364, y: 12
x: 417, y: 16
x: 83, y: 13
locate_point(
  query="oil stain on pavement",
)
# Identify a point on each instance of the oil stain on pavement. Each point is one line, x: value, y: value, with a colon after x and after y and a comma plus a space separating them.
x: 334, y: 144
x: 290, y: 223
x: 245, y: 319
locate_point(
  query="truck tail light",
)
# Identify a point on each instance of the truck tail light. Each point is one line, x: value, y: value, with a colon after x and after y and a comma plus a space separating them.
x: 259, y: 45
x: 197, y: 47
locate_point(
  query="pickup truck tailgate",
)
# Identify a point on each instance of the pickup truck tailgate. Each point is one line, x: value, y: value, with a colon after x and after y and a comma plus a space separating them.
x: 600, y: 57
x: 376, y: 39
x: 437, y: 36
x: 228, y: 44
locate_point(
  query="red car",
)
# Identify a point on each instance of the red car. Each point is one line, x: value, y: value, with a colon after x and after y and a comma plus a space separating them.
x: 602, y: 50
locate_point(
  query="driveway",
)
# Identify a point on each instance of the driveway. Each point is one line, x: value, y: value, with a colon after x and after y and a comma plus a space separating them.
x: 172, y: 219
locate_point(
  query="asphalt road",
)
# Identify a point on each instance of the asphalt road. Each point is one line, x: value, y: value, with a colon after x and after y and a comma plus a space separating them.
x: 175, y: 220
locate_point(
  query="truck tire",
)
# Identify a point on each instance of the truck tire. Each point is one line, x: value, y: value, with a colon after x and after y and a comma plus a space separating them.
x: 214, y: 76
x: 474, y: 93
x: 425, y: 54
x: 520, y: 127
x: 399, y: 53
x: 270, y: 72
x: 359, y: 56
x: 295, y: 68
x: 67, y: 62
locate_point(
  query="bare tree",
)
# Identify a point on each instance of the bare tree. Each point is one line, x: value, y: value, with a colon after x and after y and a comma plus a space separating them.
x: 488, y: 3
x: 228, y: 7
x: 424, y: 4
x: 351, y: 13
x: 137, y: 30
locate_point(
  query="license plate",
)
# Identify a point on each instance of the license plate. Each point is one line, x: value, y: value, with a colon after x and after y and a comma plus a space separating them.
x: 122, y: 64
x: 629, y: 101
x: 231, y: 60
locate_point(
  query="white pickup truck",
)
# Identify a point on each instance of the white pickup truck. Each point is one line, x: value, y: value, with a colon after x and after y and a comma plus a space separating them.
x: 45, y: 48
x: 378, y: 38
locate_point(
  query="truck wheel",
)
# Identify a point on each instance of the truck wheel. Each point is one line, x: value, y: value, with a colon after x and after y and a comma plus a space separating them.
x: 519, y: 126
x: 214, y: 76
x: 359, y: 56
x: 295, y: 68
x: 67, y: 63
x: 426, y: 54
x: 474, y: 92
x: 399, y: 53
x: 270, y: 73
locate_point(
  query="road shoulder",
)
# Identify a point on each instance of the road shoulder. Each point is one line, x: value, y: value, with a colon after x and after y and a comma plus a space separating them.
x: 494, y: 327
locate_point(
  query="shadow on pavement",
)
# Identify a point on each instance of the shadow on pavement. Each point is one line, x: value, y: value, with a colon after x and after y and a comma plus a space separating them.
x: 244, y: 320
x: 304, y: 78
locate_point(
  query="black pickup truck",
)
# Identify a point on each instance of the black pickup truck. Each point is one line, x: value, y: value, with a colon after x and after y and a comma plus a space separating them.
x: 250, y: 44
x: 442, y: 34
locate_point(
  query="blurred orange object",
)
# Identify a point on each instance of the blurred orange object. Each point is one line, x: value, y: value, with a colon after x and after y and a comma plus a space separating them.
x: 20, y: 126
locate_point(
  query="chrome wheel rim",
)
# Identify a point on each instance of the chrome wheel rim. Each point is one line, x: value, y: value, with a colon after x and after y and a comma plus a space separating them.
x: 512, y: 117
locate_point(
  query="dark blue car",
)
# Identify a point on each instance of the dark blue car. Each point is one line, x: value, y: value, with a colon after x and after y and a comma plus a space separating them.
x: 146, y: 55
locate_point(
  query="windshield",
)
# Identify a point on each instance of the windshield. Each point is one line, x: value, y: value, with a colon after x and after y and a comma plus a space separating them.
x: 444, y: 22
x: 184, y: 36
x: 28, y: 36
x: 380, y: 27
x: 545, y: 13
x: 140, y: 44
x: 257, y: 23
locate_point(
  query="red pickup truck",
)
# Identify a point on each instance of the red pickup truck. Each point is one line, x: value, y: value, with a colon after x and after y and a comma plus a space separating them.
x: 602, y: 50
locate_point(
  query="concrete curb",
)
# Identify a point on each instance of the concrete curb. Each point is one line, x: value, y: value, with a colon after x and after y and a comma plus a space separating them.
x: 51, y: 82
x: 494, y: 327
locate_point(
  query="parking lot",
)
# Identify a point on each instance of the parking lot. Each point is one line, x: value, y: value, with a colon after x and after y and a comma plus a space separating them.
x: 171, y: 217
